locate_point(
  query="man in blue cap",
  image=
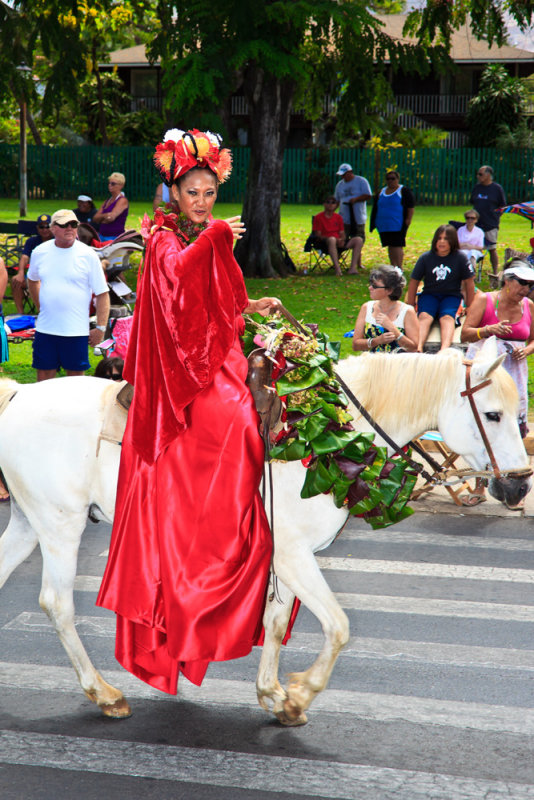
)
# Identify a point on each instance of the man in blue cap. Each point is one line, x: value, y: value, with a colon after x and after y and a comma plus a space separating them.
x: 18, y: 283
x: 352, y: 193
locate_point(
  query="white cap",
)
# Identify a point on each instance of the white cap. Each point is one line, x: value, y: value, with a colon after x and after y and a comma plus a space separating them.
x: 518, y: 269
x: 84, y: 198
x: 63, y: 216
x: 343, y: 169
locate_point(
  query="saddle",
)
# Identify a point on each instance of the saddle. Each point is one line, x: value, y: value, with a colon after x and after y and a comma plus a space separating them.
x: 268, y: 404
x: 117, y: 400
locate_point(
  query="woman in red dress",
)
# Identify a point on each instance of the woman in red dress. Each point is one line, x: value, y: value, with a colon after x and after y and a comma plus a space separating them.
x: 190, y: 552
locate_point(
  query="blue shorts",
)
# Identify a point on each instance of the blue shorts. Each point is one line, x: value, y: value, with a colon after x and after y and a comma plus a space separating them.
x: 438, y: 305
x: 53, y: 352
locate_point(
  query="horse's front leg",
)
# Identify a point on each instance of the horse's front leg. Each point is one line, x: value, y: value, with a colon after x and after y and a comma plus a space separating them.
x: 56, y: 599
x: 298, y: 569
x: 275, y: 619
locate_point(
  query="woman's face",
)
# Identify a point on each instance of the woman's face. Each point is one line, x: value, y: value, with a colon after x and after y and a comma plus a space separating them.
x: 517, y: 290
x: 115, y: 187
x: 392, y: 182
x: 443, y: 247
x: 196, y: 194
x: 470, y: 221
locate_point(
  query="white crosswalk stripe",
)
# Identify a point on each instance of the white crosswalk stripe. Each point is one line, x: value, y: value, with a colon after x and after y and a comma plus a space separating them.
x: 366, y: 705
x: 277, y: 774
x: 282, y: 776
x: 413, y: 611
x: 311, y: 643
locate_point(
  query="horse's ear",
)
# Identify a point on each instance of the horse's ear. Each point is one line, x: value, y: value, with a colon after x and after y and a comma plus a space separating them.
x: 487, y: 359
x: 483, y: 368
x: 488, y: 351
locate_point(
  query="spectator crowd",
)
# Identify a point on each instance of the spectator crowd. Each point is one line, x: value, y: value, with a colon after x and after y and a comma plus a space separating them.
x: 65, y: 281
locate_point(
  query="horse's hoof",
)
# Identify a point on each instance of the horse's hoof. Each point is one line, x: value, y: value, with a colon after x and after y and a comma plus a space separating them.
x: 291, y: 721
x: 120, y: 709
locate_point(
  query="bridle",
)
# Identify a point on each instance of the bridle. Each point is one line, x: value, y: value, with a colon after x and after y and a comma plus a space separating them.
x: 442, y: 476
x: 468, y: 392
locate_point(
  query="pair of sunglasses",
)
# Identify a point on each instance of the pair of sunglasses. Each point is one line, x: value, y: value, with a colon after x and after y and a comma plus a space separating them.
x: 523, y: 282
x: 375, y: 286
x: 70, y: 224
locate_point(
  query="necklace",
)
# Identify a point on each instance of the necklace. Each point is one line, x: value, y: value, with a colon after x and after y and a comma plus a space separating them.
x: 188, y: 230
x: 387, y: 312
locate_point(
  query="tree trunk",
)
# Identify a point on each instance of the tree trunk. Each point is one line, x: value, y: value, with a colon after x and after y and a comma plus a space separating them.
x: 29, y: 118
x: 270, y: 100
x: 100, y: 94
x: 33, y: 127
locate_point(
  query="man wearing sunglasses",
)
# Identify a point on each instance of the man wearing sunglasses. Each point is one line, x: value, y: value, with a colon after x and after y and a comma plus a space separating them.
x: 64, y: 273
x: 18, y: 283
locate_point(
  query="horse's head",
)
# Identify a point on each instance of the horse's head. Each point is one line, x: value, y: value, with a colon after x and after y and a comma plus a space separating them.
x: 497, y: 405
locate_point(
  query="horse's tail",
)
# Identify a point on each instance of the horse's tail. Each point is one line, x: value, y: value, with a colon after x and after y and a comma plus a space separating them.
x: 8, y: 389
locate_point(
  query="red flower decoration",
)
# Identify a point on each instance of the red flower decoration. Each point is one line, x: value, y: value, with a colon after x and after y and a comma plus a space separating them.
x: 194, y: 149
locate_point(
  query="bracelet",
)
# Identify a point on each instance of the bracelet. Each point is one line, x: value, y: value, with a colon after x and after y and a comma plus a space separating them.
x: 399, y: 337
x: 478, y: 333
x: 369, y: 343
x: 101, y: 328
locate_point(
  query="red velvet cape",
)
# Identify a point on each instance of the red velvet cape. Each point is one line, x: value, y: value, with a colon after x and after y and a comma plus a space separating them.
x: 173, y: 356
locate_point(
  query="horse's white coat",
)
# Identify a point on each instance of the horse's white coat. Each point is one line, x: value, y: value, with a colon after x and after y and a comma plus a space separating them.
x: 56, y: 476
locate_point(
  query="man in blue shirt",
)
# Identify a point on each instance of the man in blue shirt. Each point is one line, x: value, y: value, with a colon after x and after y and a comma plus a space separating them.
x: 18, y: 282
x: 352, y: 193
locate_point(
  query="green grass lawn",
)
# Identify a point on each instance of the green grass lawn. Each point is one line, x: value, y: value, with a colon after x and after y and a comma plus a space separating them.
x: 323, y: 298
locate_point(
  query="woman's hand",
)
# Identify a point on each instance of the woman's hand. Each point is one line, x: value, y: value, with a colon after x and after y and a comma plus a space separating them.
x: 237, y: 226
x: 520, y: 353
x: 500, y: 329
x: 385, y: 338
x: 384, y: 321
x: 263, y: 306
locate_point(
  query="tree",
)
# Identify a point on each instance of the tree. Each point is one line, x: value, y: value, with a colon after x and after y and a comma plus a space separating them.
x: 499, y: 105
x: 64, y: 41
x: 273, y: 52
x: 279, y: 52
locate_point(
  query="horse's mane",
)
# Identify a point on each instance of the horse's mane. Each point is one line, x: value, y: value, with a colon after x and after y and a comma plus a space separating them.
x: 413, y: 385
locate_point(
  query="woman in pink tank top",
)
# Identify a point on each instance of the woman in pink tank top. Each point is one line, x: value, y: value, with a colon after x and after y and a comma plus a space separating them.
x: 507, y: 314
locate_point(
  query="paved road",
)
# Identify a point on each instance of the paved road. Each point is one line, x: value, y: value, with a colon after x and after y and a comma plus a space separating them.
x: 432, y: 698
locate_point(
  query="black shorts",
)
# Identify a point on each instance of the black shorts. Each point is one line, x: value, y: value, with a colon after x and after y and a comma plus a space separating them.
x: 360, y: 231
x: 393, y: 238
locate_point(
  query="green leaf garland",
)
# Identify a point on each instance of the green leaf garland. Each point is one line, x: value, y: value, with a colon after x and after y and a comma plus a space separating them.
x: 318, y: 431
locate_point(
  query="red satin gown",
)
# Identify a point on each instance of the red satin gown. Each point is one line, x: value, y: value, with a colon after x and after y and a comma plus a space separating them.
x: 191, y: 547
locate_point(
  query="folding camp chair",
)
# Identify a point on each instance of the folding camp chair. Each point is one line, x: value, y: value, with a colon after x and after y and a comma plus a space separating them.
x: 432, y: 441
x: 480, y: 260
x: 320, y: 257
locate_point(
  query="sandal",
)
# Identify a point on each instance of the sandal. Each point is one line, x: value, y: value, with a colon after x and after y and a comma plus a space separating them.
x: 471, y: 499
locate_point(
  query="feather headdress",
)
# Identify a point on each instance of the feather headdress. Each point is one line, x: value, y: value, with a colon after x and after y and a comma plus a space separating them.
x: 180, y: 151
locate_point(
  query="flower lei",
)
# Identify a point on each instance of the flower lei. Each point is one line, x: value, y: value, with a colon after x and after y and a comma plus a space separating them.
x: 318, y: 431
x: 187, y: 230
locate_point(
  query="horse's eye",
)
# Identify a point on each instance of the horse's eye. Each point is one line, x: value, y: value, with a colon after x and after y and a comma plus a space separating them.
x: 493, y: 416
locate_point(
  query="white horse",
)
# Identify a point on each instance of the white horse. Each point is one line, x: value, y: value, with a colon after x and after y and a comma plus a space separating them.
x: 57, y: 476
